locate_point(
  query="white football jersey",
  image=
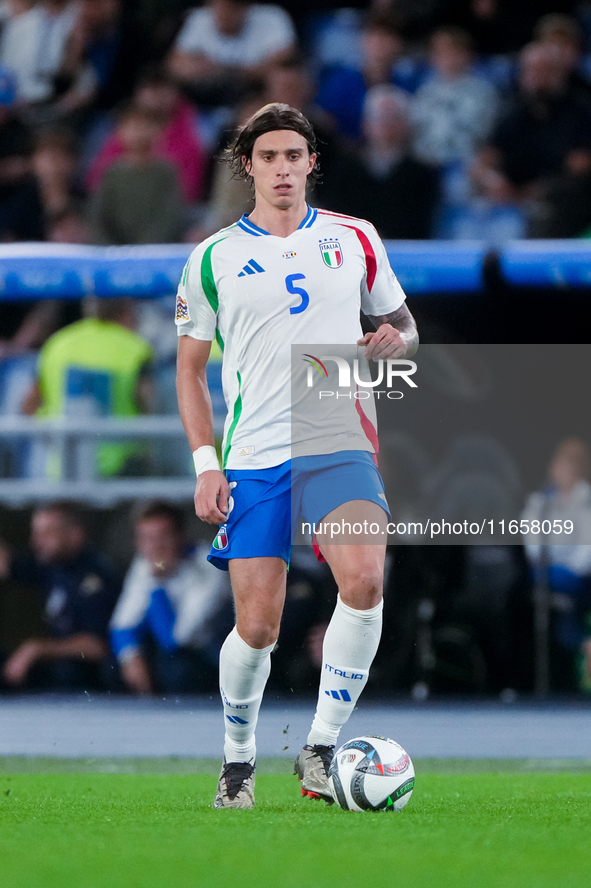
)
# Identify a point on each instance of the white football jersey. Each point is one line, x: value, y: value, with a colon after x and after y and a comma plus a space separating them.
x: 259, y: 294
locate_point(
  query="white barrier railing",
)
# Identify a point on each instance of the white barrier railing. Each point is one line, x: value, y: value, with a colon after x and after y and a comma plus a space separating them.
x: 74, y: 439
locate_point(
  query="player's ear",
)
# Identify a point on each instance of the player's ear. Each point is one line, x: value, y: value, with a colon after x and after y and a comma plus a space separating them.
x: 247, y: 164
x: 311, y: 162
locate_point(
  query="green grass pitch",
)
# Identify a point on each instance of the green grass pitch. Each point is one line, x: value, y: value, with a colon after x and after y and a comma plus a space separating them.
x: 150, y: 824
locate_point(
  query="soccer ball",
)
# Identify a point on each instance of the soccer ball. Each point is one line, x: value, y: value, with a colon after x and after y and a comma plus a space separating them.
x: 371, y: 774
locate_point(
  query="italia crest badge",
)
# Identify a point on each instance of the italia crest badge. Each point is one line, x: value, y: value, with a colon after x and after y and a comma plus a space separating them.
x: 331, y: 252
x: 221, y: 541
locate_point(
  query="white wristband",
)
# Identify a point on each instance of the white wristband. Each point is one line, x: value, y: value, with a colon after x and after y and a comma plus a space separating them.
x: 205, y: 459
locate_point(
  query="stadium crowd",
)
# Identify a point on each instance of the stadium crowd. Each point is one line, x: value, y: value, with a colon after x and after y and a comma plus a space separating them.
x: 446, y: 119
x: 109, y: 110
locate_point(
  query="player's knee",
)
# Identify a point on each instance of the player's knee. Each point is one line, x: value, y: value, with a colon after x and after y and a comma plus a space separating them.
x: 362, y: 587
x: 258, y: 633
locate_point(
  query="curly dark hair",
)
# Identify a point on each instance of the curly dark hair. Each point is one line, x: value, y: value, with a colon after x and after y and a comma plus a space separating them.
x: 275, y: 116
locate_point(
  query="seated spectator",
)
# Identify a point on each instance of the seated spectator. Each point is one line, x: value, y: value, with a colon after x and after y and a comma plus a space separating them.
x: 179, y: 140
x: 95, y: 367
x: 77, y: 589
x: 51, y: 189
x: 226, y: 46
x: 452, y: 112
x: 384, y: 183
x: 343, y: 88
x: 545, y: 131
x: 138, y: 200
x: 168, y: 626
x: 41, y: 86
x: 562, y: 563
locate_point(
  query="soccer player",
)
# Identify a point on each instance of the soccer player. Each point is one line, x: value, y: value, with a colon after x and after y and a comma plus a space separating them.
x: 259, y: 286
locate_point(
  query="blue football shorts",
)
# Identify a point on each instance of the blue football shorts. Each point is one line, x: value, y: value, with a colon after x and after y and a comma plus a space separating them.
x: 267, y: 503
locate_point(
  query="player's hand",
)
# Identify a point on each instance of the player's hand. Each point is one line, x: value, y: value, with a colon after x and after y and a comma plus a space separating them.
x: 212, y: 495
x: 385, y: 342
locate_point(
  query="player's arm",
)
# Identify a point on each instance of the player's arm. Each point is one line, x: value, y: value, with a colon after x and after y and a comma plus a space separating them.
x: 212, y: 491
x: 396, y: 335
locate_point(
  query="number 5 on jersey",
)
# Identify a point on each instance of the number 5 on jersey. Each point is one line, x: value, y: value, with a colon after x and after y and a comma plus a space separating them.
x: 297, y: 291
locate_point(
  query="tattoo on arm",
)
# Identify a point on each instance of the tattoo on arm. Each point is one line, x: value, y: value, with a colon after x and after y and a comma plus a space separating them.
x: 404, y: 322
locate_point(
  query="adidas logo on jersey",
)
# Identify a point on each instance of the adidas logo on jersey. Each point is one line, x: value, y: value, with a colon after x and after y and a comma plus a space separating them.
x: 251, y: 267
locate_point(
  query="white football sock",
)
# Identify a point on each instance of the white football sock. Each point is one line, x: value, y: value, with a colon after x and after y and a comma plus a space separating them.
x: 243, y: 675
x: 350, y: 645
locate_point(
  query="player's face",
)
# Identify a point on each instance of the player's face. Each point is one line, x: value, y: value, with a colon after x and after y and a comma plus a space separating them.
x: 280, y: 166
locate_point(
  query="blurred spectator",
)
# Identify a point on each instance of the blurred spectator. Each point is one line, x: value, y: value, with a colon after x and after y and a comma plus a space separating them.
x: 562, y: 206
x: 230, y: 196
x: 95, y: 367
x: 42, y: 202
x: 290, y: 81
x: 343, y: 88
x: 52, y: 189
x: 22, y: 326
x: 546, y: 130
x: 138, y: 200
x: 107, y: 40
x: 169, y: 623
x: 162, y: 20
x: 15, y: 139
x: 226, y: 45
x: 43, y: 205
x: 331, y: 38
x: 564, y: 33
x: 180, y: 141
x: 25, y: 327
x: 497, y: 25
x: 417, y: 18
x: 78, y: 591
x: 563, y: 561
x: 453, y: 112
x: 41, y: 85
x: 68, y: 226
x: 38, y: 209
x: 384, y: 183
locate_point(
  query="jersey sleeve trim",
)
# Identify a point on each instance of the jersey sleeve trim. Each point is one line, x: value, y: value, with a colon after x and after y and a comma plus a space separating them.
x: 371, y: 262
x: 207, y: 280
